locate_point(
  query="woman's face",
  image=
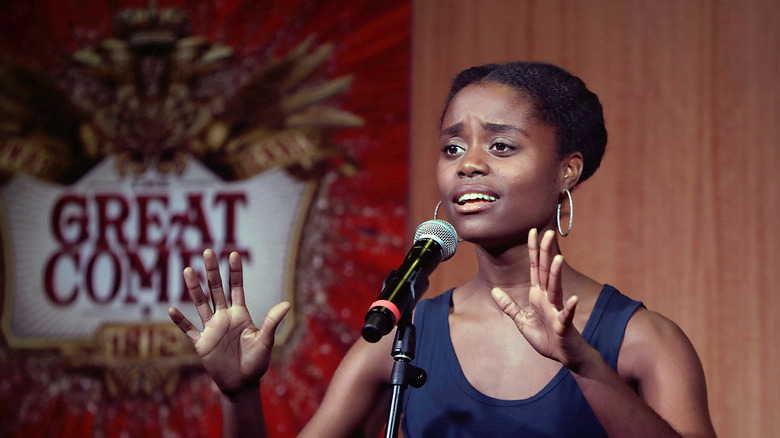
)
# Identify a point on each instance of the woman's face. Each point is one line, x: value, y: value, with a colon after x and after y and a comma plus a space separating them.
x: 499, y: 173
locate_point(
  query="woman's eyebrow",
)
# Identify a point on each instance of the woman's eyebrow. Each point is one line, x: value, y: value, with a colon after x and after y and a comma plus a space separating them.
x: 491, y: 127
x: 451, y: 130
x: 501, y: 127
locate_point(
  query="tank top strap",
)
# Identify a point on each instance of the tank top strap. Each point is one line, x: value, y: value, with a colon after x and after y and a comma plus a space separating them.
x: 610, y: 315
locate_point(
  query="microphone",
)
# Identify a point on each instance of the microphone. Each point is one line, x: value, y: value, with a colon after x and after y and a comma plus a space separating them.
x: 434, y: 242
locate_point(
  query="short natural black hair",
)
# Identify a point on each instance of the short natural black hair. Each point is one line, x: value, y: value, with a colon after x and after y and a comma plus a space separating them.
x: 560, y: 100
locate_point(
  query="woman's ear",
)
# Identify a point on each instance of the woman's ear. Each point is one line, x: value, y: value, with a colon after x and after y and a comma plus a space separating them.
x: 572, y: 170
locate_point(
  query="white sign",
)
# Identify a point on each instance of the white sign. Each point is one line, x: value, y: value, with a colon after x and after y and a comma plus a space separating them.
x: 111, y: 249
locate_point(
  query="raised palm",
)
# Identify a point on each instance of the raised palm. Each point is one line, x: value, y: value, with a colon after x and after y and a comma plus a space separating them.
x: 546, y: 323
x: 233, y: 350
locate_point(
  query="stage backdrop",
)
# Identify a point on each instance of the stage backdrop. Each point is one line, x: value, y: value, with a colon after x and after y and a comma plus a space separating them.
x: 135, y: 134
x: 683, y: 213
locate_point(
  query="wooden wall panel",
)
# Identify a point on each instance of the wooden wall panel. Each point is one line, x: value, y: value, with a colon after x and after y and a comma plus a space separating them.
x: 683, y: 213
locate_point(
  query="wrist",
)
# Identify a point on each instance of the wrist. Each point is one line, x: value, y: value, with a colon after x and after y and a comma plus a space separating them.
x: 245, y: 393
x: 242, y: 413
x: 586, y: 360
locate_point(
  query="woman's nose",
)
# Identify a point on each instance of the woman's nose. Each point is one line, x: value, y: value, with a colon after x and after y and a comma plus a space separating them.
x: 473, y: 163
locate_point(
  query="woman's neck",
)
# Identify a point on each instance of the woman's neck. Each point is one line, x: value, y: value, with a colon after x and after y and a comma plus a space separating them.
x: 510, y: 269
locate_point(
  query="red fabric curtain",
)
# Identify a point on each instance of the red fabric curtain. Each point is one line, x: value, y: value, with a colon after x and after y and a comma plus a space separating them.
x: 353, y: 235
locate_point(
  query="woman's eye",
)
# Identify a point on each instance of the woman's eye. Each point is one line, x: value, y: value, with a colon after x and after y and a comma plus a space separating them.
x: 501, y: 147
x: 451, y: 149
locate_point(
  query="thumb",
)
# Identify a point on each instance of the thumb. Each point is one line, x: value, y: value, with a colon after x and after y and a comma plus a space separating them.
x: 508, y: 306
x: 272, y: 320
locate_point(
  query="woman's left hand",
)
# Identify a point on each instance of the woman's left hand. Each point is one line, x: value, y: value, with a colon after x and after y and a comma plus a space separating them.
x: 547, y: 322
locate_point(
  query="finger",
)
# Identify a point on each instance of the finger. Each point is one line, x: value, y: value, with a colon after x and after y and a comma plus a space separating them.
x: 566, y: 316
x: 272, y: 320
x: 197, y: 295
x: 509, y: 307
x: 545, y: 258
x: 236, y: 280
x: 211, y: 264
x: 554, y: 289
x: 184, y: 324
x: 533, y: 256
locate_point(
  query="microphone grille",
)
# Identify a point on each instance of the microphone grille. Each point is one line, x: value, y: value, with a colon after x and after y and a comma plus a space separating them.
x: 440, y: 231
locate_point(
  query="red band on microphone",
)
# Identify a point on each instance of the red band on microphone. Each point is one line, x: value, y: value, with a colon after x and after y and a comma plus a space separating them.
x: 389, y: 304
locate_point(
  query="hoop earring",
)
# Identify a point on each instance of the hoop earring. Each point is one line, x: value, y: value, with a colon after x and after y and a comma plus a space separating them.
x: 571, y: 215
x: 436, y: 213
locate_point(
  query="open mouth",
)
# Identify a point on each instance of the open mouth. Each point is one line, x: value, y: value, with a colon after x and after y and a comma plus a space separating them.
x: 475, y: 197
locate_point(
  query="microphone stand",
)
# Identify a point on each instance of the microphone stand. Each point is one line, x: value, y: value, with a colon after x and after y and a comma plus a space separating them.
x: 404, y: 373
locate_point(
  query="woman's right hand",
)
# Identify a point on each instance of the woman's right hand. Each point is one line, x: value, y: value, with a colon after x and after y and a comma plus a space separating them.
x: 234, y: 351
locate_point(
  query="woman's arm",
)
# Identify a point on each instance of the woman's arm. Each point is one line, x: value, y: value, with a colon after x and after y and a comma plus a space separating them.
x: 355, y: 404
x: 662, y: 362
x: 236, y: 354
x: 357, y: 400
x: 672, y: 398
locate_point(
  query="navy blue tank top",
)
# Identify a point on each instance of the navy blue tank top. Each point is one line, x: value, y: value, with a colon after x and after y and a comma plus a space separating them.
x: 448, y: 406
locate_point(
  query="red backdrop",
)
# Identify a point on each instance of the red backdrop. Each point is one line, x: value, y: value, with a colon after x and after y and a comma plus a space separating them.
x: 354, y: 234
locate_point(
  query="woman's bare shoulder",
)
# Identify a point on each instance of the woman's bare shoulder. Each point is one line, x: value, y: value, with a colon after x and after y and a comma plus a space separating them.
x: 654, y: 343
x: 661, y: 362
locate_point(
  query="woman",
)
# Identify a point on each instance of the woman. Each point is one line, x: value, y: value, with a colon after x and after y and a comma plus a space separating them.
x: 529, y: 346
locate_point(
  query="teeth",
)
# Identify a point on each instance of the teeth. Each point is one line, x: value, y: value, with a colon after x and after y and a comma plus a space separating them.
x: 475, y: 197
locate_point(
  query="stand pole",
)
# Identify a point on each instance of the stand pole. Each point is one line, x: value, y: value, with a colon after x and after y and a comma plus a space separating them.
x: 404, y: 373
